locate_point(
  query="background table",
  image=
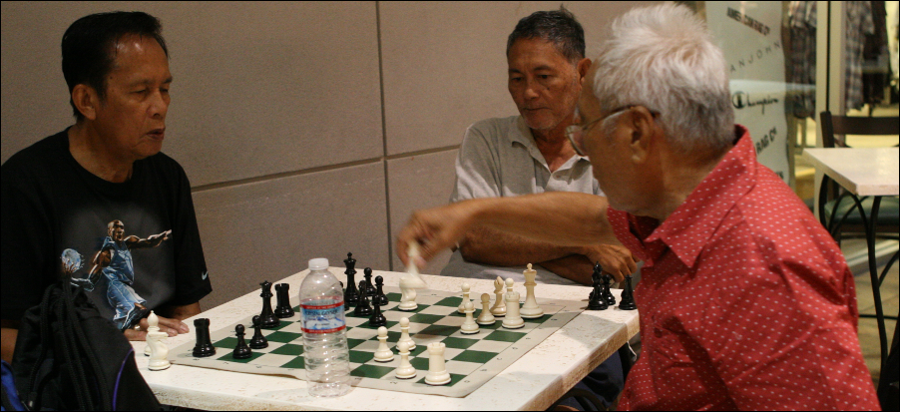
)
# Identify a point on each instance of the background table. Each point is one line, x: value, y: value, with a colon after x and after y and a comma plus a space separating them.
x: 863, y: 172
x: 533, y: 382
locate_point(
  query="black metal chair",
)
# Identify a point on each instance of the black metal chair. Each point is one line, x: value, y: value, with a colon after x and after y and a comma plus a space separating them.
x: 842, y: 212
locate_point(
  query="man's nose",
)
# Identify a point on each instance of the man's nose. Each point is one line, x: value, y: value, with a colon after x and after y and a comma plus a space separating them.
x: 531, y: 90
x: 159, y: 105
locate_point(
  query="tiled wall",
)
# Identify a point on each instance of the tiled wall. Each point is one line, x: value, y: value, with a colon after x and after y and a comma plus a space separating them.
x: 308, y: 129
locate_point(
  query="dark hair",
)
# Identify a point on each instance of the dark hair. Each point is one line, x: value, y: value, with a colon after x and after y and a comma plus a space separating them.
x: 89, y: 47
x: 558, y: 27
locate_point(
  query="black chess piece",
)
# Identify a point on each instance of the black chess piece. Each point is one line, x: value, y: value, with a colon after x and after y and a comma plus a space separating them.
x: 203, y: 348
x: 258, y: 341
x: 267, y: 318
x: 596, y: 300
x: 370, y: 290
x: 377, y: 319
x: 241, y: 350
x: 607, y: 291
x: 380, y: 297
x: 362, y: 307
x: 351, y: 295
x: 284, y: 309
x: 627, y: 296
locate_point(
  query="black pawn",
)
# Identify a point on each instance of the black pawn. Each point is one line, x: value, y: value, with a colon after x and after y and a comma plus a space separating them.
x: 258, y: 341
x: 362, y: 307
x: 380, y: 297
x: 596, y: 300
x: 607, y: 291
x: 627, y: 296
x: 377, y: 318
x: 203, y: 347
x: 351, y: 295
x: 370, y: 290
x: 241, y: 350
x: 283, y: 310
x: 267, y: 318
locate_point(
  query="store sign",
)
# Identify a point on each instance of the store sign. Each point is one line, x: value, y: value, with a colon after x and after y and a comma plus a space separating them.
x: 749, y: 34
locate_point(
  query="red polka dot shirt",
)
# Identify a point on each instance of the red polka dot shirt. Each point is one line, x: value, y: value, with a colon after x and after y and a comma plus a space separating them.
x: 746, y: 302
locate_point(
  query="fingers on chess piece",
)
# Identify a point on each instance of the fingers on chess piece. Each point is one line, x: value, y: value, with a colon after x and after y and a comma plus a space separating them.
x: 465, y: 297
x: 486, y: 317
x: 258, y: 341
x: 469, y: 327
x: 241, y: 350
x: 384, y: 353
x: 437, y: 367
x: 284, y: 309
x: 499, y: 309
x: 203, y: 347
x: 404, y: 334
x: 405, y: 370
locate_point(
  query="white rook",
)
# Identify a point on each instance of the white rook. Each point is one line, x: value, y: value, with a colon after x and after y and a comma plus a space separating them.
x: 437, y: 368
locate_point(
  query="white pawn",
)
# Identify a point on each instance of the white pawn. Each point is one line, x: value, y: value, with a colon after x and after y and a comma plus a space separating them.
x: 513, y: 320
x: 465, y: 293
x: 531, y: 309
x: 437, y: 368
x: 404, y: 334
x: 485, y: 318
x: 383, y: 354
x: 158, y: 350
x: 499, y: 309
x: 405, y: 370
x: 469, y: 327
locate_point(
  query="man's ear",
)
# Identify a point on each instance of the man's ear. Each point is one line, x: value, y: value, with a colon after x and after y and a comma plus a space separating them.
x: 644, y: 130
x: 583, y: 66
x: 86, y: 100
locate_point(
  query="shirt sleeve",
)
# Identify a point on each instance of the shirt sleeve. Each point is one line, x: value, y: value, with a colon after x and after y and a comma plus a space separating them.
x: 477, y: 169
x: 190, y: 265
x: 28, y: 266
x: 782, y: 337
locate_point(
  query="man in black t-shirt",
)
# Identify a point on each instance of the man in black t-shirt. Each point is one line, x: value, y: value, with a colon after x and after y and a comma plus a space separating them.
x: 70, y: 195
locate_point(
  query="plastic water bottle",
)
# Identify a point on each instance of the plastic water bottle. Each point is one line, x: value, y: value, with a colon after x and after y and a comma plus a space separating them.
x: 324, y: 341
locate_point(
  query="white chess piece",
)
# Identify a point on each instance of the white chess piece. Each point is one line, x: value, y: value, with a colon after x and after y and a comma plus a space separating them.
x: 465, y: 292
x: 531, y: 309
x: 469, y: 327
x: 485, y: 318
x: 158, y: 350
x: 512, y: 320
x: 437, y: 368
x: 499, y: 309
x: 405, y: 370
x: 411, y: 281
x: 150, y: 328
x: 404, y: 334
x: 384, y: 353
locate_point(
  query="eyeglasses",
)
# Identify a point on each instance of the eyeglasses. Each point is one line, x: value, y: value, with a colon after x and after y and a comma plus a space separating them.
x: 576, y: 132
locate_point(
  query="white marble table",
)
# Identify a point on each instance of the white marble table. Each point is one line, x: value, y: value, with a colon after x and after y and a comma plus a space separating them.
x: 864, y: 172
x: 533, y: 382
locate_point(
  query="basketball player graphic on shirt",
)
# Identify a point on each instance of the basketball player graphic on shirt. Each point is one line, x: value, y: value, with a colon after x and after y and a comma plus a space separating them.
x: 114, y: 263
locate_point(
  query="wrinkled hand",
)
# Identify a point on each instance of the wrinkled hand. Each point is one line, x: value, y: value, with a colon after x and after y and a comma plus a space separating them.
x: 434, y: 230
x: 173, y: 327
x: 614, y: 259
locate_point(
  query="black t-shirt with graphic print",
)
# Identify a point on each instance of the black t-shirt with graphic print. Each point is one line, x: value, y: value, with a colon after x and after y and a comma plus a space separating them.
x: 58, y: 219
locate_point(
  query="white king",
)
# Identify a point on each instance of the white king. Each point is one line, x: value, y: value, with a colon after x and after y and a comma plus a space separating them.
x: 531, y: 309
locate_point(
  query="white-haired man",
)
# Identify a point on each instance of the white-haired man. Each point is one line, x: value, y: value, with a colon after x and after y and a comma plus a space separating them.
x: 746, y: 302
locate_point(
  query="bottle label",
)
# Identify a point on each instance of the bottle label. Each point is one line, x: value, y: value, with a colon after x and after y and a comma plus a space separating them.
x: 323, y: 316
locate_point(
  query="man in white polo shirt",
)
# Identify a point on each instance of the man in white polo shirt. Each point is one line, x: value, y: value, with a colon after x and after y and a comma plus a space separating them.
x: 528, y: 154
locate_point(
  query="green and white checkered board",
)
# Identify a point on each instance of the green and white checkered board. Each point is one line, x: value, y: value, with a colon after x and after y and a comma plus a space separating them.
x: 471, y: 360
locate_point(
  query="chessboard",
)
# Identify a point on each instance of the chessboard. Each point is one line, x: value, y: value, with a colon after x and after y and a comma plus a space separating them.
x: 472, y: 360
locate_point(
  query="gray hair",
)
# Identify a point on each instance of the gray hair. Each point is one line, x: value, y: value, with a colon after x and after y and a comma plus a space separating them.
x: 556, y: 26
x: 663, y: 58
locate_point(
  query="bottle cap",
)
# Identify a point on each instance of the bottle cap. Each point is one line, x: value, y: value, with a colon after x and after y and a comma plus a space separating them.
x: 318, y: 264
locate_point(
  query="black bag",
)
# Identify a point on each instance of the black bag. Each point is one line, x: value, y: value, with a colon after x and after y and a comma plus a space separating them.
x: 68, y: 357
